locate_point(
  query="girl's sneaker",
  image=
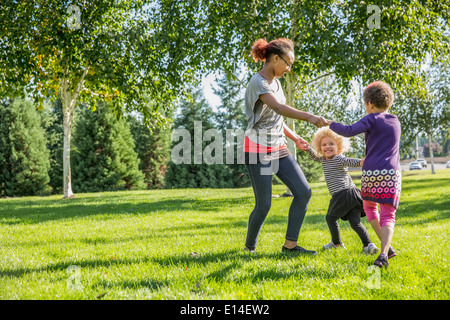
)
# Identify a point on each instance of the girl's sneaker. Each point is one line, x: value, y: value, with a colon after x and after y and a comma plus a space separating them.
x: 247, y: 249
x: 331, y: 245
x: 391, y: 253
x: 370, y: 249
x: 381, y: 261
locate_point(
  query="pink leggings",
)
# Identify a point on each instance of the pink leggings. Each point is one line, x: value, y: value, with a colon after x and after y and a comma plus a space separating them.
x: 386, y: 216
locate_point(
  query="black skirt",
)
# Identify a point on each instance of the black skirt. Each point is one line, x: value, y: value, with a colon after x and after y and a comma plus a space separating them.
x: 344, y: 201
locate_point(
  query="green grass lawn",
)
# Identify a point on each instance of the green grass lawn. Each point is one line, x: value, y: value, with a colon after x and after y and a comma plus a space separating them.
x: 187, y: 244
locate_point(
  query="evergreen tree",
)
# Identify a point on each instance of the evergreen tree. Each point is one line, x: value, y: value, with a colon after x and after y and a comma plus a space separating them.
x: 24, y: 157
x: 192, y: 175
x: 231, y: 115
x: 52, y: 119
x: 152, y: 148
x: 103, y: 154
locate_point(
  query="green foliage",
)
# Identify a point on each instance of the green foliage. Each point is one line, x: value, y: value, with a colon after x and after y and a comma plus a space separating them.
x: 115, y: 53
x: 312, y: 170
x: 152, y: 148
x: 425, y: 107
x: 231, y: 115
x: 329, y: 36
x: 103, y: 154
x: 192, y: 175
x: 23, y: 154
x: 53, y: 123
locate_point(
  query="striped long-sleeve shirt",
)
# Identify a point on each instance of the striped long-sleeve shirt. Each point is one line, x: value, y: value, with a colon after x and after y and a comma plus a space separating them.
x: 335, y: 170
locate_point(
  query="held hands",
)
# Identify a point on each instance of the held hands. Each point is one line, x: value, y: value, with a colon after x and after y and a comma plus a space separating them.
x: 320, y: 122
x: 302, y: 144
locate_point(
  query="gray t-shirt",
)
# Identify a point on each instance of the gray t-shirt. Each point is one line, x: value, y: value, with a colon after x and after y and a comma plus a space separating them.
x: 265, y: 126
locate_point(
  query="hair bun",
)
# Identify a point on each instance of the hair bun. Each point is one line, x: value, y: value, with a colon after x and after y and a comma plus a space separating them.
x: 259, y: 50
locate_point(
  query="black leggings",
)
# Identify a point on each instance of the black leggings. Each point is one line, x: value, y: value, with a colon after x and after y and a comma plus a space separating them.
x: 292, y: 176
x: 354, y: 217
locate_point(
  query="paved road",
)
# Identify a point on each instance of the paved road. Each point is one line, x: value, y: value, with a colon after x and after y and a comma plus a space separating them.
x: 405, y: 166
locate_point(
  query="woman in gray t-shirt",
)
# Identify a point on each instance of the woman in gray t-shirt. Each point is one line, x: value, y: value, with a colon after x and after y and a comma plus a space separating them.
x: 265, y: 146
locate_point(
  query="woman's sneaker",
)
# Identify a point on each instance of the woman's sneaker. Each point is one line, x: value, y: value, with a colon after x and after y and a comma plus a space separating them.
x: 370, y: 249
x: 298, y: 250
x: 381, y: 261
x: 331, y: 245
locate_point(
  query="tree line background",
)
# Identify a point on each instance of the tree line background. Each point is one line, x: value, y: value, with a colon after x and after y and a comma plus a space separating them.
x: 109, y: 152
x: 143, y: 59
x: 121, y: 153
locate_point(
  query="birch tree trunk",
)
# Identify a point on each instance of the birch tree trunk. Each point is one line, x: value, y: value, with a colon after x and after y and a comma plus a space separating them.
x: 290, y: 92
x: 68, y: 116
x: 69, y: 101
x: 290, y: 99
x: 67, y: 108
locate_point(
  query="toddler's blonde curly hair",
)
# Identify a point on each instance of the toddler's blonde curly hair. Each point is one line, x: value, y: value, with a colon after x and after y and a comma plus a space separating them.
x: 343, y: 144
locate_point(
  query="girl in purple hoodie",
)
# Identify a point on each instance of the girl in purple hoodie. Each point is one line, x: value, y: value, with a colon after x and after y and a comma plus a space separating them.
x: 381, y: 172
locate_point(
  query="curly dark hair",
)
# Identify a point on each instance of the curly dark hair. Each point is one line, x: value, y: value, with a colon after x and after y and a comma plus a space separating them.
x: 379, y: 94
x: 263, y: 50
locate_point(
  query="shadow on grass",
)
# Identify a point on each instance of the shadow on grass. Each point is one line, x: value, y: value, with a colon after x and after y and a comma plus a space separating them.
x: 38, y: 211
x: 30, y: 212
x: 230, y: 259
x: 24, y: 211
x: 418, y: 212
x: 62, y: 266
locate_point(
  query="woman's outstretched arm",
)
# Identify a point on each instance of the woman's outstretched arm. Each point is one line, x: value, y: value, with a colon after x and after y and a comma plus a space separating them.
x: 290, y: 112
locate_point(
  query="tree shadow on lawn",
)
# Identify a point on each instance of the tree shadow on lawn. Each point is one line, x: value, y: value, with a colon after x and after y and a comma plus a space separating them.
x: 417, y: 212
x: 30, y: 212
x: 411, y: 212
x: 232, y: 260
x: 62, y: 266
x: 185, y: 260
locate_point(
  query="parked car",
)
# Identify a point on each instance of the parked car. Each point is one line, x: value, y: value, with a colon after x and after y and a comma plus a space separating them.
x: 447, y: 165
x: 423, y: 162
x: 415, y: 165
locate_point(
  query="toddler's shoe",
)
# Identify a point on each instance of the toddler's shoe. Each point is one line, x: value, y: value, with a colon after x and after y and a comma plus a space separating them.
x: 247, y: 249
x: 391, y: 253
x: 381, y: 261
x: 370, y: 249
x: 331, y: 245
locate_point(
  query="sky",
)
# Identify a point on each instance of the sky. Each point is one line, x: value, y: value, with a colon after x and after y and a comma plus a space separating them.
x: 208, y: 82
